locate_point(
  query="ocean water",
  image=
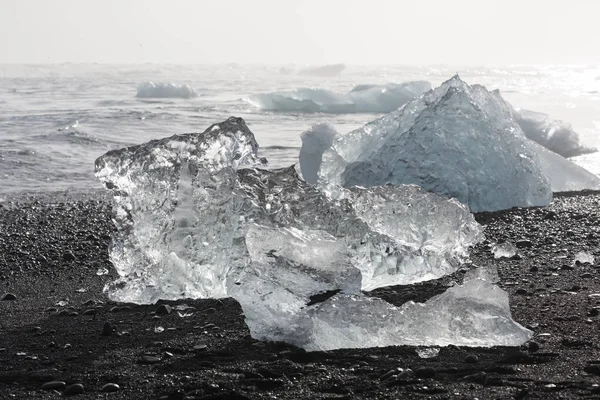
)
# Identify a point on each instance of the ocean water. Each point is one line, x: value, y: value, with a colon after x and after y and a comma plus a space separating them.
x: 55, y: 120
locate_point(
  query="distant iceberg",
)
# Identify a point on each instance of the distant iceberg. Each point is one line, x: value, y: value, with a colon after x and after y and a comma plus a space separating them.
x: 362, y: 99
x: 323, y: 70
x: 165, y: 90
x: 555, y: 135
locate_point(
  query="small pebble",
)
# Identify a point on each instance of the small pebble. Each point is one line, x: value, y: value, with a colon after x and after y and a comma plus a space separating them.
x: 149, y: 360
x: 54, y: 385
x: 90, y: 311
x: 9, y: 297
x: 471, y: 359
x: 425, y: 372
x: 594, y: 312
x: 110, y: 388
x: 74, y: 389
x: 107, y: 329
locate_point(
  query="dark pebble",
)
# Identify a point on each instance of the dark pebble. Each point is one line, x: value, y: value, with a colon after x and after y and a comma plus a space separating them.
x: 164, y: 309
x: 594, y: 312
x: 471, y: 359
x: 54, y: 385
x: 533, y: 347
x: 74, y: 389
x: 107, y: 329
x: 524, y: 243
x: 68, y: 256
x: 110, y: 388
x: 90, y: 311
x: 521, y: 291
x: 534, y: 269
x: 149, y: 360
x: 9, y: 297
x: 425, y: 372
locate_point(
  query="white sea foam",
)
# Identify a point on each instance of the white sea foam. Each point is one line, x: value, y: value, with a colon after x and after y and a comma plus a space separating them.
x: 165, y: 90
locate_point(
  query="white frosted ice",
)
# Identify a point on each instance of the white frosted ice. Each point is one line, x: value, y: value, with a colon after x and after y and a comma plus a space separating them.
x: 165, y: 90
x: 564, y: 175
x: 192, y: 223
x: 361, y: 99
x: 584, y: 257
x: 457, y: 140
x: 555, y: 135
x: 504, y: 250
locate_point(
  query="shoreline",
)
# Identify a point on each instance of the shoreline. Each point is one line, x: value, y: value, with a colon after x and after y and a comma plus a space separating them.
x: 53, y: 244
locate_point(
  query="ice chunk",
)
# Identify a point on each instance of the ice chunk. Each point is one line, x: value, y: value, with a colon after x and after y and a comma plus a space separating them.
x: 175, y: 214
x: 555, y: 135
x: 504, y: 250
x: 457, y: 140
x: 165, y: 90
x: 190, y: 223
x: 428, y: 352
x: 476, y: 313
x: 584, y: 257
x: 361, y: 99
x: 564, y: 175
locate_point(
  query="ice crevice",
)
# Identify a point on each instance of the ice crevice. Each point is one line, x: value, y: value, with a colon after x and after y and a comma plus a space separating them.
x: 198, y: 216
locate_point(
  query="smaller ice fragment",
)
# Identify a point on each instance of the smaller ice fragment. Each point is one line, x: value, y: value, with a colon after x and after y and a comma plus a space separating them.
x: 584, y: 257
x: 504, y: 250
x: 428, y: 352
x: 488, y: 274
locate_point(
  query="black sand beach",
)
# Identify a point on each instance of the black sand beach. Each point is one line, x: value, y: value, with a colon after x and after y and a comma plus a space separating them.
x: 61, y: 327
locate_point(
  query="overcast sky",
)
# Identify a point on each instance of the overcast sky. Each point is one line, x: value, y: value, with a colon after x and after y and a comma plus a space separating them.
x: 463, y: 32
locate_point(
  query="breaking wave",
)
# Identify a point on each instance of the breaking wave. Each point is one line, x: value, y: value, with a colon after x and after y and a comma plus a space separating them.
x: 165, y: 90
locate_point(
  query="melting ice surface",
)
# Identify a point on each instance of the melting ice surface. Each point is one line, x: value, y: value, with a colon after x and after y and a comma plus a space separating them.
x: 361, y: 99
x: 192, y: 223
x: 457, y: 140
x: 165, y: 90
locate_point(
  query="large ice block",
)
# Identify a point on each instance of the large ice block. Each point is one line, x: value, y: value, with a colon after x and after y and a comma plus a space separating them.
x: 192, y: 223
x: 457, y: 140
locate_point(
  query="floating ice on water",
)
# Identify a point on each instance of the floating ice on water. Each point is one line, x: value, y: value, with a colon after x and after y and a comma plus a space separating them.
x: 564, y: 175
x: 361, y: 99
x: 555, y: 135
x: 165, y: 90
x: 457, y: 140
x: 590, y: 162
x: 190, y: 223
x: 323, y: 70
x: 504, y: 250
x: 584, y: 257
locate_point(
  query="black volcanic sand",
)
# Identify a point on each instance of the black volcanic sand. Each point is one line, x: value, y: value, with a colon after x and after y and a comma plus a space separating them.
x: 51, y: 250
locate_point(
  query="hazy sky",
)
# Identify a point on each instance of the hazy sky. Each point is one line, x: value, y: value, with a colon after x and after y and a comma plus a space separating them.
x: 474, y: 32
